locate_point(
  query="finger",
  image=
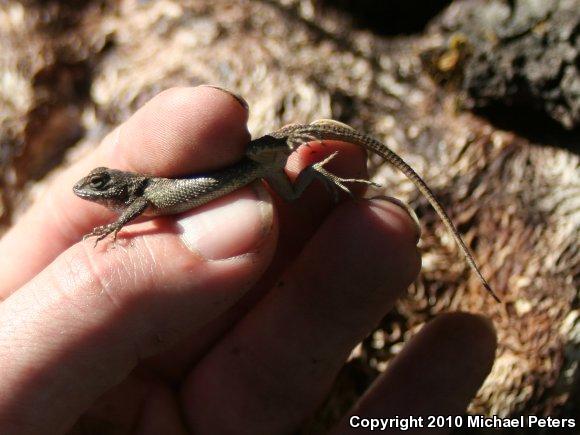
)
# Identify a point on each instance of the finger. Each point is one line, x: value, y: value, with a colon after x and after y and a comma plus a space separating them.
x: 298, y: 222
x: 437, y: 374
x: 140, y: 404
x: 276, y: 365
x: 82, y: 324
x: 182, y: 130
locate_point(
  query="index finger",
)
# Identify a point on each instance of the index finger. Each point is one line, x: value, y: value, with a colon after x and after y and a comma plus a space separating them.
x: 159, y: 139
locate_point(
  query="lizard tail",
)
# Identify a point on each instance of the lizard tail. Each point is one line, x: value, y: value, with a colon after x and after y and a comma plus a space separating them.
x: 333, y: 130
x: 400, y: 164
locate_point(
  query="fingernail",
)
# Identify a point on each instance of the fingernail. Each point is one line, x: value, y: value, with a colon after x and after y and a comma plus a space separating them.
x: 228, y: 227
x: 237, y: 97
x: 407, y: 209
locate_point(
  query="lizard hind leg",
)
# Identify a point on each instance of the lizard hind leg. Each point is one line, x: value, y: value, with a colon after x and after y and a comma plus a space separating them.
x: 314, y: 135
x: 331, y: 123
x: 305, y: 139
x: 280, y: 182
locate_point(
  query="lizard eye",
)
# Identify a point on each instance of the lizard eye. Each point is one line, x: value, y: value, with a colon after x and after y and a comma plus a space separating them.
x: 99, y: 181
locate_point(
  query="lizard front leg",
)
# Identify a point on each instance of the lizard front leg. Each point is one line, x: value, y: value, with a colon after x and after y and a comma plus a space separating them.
x: 334, y: 184
x: 134, y: 210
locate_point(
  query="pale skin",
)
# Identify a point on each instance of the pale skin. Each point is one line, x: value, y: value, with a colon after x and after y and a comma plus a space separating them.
x: 249, y: 319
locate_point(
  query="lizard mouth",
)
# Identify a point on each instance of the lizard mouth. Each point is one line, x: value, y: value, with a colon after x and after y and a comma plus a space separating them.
x: 79, y: 191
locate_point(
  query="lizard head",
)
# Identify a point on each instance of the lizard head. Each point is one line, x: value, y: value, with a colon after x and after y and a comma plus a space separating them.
x: 110, y: 187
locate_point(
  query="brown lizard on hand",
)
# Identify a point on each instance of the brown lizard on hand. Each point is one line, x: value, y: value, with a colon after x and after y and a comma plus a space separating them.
x: 133, y: 194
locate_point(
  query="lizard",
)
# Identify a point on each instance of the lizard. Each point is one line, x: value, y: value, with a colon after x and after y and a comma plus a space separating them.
x: 132, y: 194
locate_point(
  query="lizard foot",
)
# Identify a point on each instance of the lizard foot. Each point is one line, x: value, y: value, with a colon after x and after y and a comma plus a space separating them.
x: 333, y: 183
x: 102, y: 232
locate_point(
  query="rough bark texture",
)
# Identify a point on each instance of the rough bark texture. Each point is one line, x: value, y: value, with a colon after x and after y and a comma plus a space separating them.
x: 69, y: 74
x: 526, y: 54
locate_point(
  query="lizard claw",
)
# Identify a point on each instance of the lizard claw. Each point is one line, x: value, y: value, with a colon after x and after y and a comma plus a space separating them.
x: 102, y: 232
x: 334, y: 183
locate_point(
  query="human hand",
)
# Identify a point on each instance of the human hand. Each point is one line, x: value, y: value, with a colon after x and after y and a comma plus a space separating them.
x: 231, y: 318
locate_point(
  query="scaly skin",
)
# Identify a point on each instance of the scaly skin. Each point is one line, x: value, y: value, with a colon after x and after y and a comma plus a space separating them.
x: 135, y: 194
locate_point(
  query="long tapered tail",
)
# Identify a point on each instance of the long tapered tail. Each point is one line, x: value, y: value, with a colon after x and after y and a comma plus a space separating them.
x: 334, y: 130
